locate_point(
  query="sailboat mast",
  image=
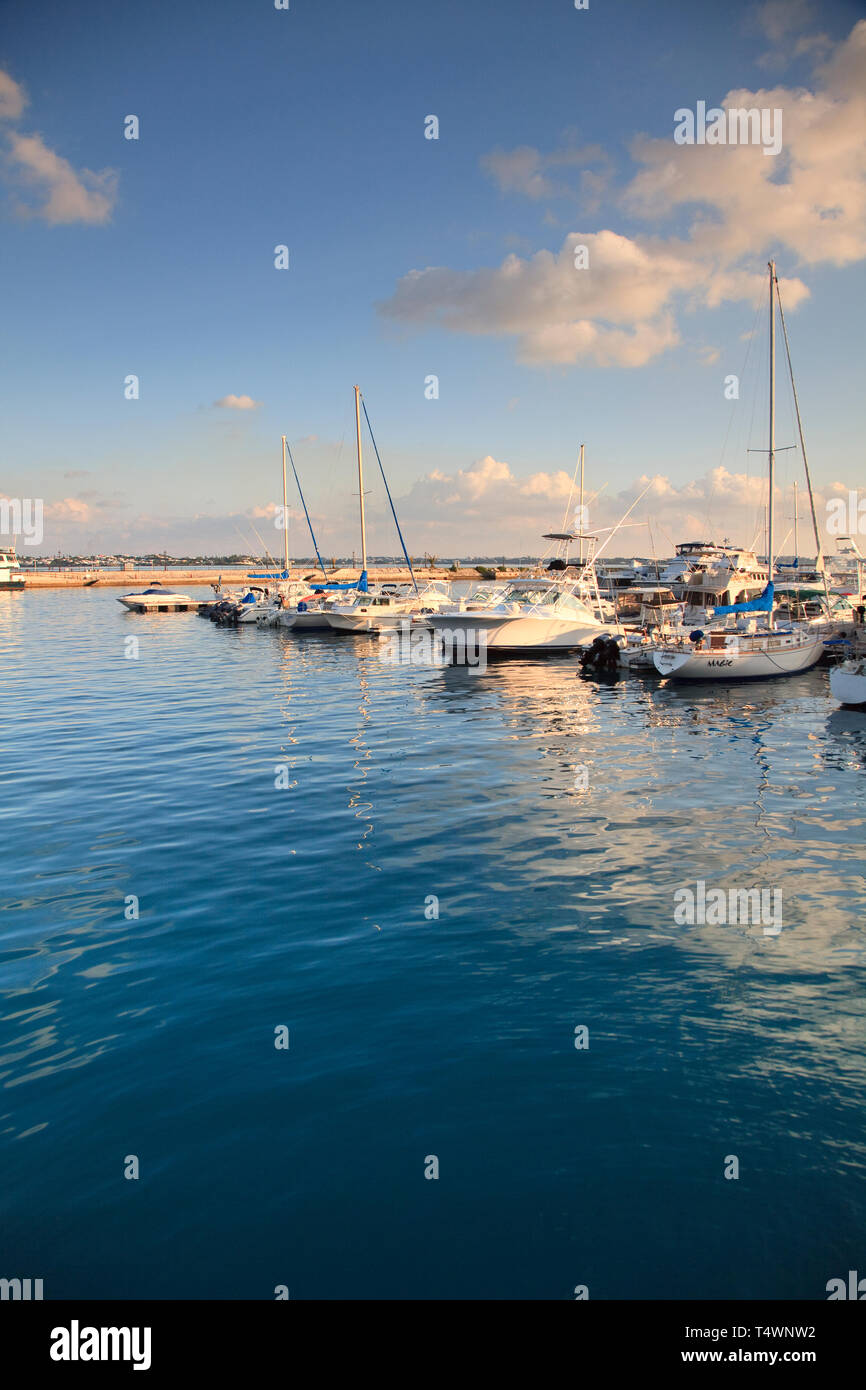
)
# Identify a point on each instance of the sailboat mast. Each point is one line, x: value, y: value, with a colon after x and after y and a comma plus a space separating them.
x: 580, y: 507
x: 796, y: 537
x: 285, y: 514
x: 772, y: 452
x: 361, y: 479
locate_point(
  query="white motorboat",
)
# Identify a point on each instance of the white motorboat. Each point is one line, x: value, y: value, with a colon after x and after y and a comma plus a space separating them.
x: 540, y: 615
x: 157, y: 599
x: 311, y: 612
x: 848, y: 681
x: 9, y: 579
x: 383, y: 609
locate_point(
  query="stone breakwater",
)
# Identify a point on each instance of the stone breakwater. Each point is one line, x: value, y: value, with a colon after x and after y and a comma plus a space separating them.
x: 230, y: 577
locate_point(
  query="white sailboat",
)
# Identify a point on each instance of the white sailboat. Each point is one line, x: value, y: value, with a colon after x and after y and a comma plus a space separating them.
x: 755, y: 647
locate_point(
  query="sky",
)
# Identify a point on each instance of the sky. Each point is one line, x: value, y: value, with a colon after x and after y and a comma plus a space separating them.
x: 410, y: 258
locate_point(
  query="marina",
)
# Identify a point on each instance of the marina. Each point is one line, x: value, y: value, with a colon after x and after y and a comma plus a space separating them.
x: 432, y: 678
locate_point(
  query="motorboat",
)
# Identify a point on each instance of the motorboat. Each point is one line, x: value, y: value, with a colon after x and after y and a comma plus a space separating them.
x: 383, y: 609
x: 539, y: 614
x: 848, y: 681
x: 157, y: 599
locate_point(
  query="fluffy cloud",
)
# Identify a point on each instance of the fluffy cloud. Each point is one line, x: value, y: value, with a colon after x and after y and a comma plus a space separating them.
x: 488, y: 508
x: 12, y: 97
x: 46, y: 185
x: 62, y: 193
x: 621, y: 310
x: 237, y: 403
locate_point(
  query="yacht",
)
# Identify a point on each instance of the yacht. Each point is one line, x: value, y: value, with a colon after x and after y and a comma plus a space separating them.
x: 731, y: 576
x: 9, y: 564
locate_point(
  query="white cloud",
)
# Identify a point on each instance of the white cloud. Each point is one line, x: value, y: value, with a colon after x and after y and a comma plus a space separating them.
x: 237, y: 403
x: 807, y: 204
x: 12, y: 97
x: 52, y: 190
x: 64, y: 194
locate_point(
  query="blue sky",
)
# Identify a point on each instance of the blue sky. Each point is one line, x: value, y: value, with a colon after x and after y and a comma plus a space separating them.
x: 306, y: 127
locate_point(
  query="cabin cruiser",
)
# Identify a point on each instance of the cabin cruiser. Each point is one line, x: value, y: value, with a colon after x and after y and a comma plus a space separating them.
x: 384, y: 608
x: 157, y: 599
x: 540, y: 614
x: 650, y: 606
x: 9, y: 564
x: 734, y: 577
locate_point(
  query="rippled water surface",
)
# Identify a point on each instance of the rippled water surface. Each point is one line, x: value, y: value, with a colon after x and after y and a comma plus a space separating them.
x: 411, y: 1035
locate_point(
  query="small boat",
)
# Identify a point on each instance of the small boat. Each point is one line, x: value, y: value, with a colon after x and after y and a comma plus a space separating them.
x: 848, y: 681
x: 157, y: 599
x: 8, y: 565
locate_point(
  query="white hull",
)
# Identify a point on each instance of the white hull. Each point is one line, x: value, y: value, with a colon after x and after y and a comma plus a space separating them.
x: 776, y: 655
x: 313, y: 620
x: 848, y: 685
x: 502, y: 633
x: 162, y: 603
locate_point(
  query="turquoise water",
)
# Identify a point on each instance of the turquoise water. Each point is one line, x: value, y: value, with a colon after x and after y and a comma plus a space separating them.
x: 410, y: 1035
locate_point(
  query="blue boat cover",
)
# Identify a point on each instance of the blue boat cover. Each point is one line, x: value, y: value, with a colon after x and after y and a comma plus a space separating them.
x: 762, y: 604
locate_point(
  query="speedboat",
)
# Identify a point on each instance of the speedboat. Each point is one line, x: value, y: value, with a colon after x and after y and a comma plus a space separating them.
x: 848, y: 681
x: 523, y: 615
x: 157, y: 599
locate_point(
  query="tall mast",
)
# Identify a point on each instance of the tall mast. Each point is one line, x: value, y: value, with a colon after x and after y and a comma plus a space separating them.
x: 772, y: 459
x: 361, y: 479
x: 285, y: 514
x: 580, y: 507
x: 796, y: 537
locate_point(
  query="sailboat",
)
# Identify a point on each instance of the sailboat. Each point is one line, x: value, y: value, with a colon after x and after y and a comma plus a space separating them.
x: 756, y: 647
x: 385, y: 605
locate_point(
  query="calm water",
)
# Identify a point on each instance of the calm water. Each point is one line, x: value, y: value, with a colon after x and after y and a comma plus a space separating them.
x: 410, y: 1036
